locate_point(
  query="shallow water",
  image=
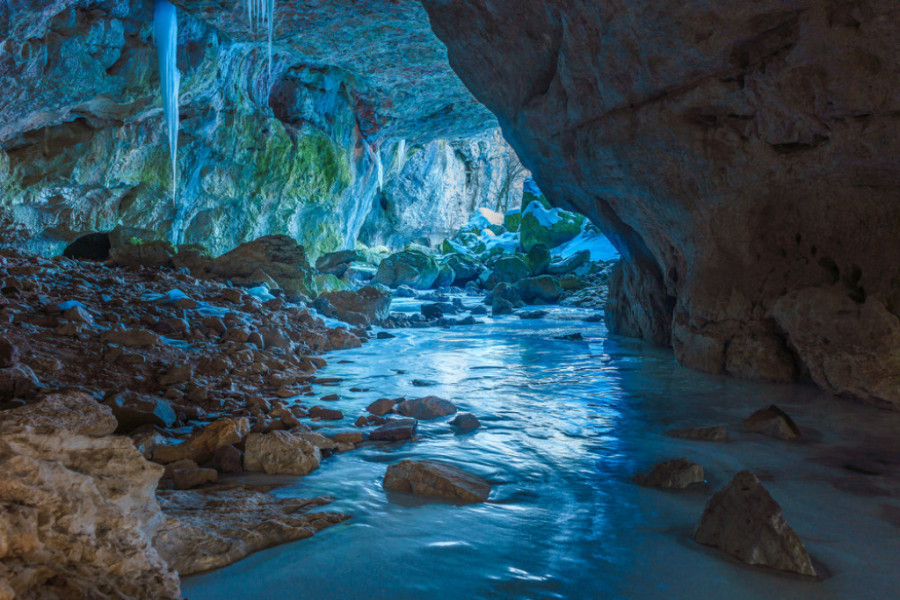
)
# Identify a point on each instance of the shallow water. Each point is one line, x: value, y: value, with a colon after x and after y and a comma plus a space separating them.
x: 564, y: 426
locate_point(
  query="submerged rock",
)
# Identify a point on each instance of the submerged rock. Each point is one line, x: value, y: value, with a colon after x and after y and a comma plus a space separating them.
x: 436, y: 479
x: 678, y: 474
x: 715, y: 433
x: 429, y: 407
x: 743, y: 520
x: 773, y: 422
x: 280, y: 453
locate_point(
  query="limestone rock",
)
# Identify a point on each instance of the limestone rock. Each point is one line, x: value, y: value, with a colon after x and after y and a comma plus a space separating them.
x: 743, y: 520
x: 773, y: 422
x: 280, y: 453
x: 436, y: 479
x: 210, y: 529
x: 201, y: 446
x: 539, y: 224
x: 429, y: 407
x: 678, y: 474
x: 74, y: 412
x: 395, y: 430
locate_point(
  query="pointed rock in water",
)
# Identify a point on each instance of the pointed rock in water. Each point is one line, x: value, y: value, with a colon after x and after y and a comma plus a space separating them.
x: 743, y: 520
x: 384, y: 335
x: 429, y: 407
x: 716, y: 433
x: 395, y: 430
x: 465, y: 422
x: 677, y: 474
x: 280, y: 453
x: 773, y: 422
x: 435, y: 479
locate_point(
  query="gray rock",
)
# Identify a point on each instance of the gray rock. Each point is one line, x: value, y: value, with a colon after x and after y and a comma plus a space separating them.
x: 678, y: 474
x: 743, y: 520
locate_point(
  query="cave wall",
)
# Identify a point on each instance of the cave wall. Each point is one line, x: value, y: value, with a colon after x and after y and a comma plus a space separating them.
x: 297, y: 151
x: 743, y: 157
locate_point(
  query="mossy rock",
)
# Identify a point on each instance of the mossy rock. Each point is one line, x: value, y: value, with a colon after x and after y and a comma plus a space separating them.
x: 409, y: 267
x: 512, y: 220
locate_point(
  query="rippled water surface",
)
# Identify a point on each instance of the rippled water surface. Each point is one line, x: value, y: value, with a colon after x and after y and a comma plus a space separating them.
x: 565, y: 424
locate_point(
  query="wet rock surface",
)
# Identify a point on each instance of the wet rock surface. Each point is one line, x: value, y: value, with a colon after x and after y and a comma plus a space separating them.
x: 429, y: 407
x: 743, y: 520
x: 773, y: 422
x: 437, y: 480
x: 676, y: 474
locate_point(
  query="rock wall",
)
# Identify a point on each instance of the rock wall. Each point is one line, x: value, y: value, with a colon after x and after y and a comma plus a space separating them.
x: 743, y: 157
x: 296, y: 152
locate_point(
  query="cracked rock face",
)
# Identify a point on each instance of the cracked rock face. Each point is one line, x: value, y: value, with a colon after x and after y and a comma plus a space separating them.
x: 742, y: 157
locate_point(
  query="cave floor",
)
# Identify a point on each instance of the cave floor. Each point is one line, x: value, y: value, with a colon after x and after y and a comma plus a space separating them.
x: 565, y: 424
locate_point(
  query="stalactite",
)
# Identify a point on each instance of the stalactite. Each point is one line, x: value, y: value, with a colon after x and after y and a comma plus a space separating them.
x: 165, y: 34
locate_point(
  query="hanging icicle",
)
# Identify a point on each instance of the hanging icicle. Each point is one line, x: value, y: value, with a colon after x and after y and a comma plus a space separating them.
x: 165, y: 34
x: 262, y: 11
x: 401, y: 155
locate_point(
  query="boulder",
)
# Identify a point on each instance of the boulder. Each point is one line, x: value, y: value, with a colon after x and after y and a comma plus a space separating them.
x: 541, y: 224
x: 465, y: 422
x: 716, y: 433
x: 570, y: 264
x: 227, y: 459
x: 678, y: 474
x: 773, y: 422
x: 382, y: 406
x: 336, y: 263
x: 361, y: 307
x: 186, y: 479
x: 431, y: 311
x: 409, y: 267
x: 501, y: 307
x: 508, y: 269
x: 465, y: 268
x: 395, y: 430
x: 133, y: 338
x: 136, y: 253
x: 743, y: 520
x: 18, y: 381
x: 423, y: 409
x: 543, y: 289
x: 538, y: 259
x: 280, y: 453
x: 201, y: 446
x: 437, y: 480
x: 132, y: 410
x: 91, y: 246
x: 73, y: 412
x: 9, y: 354
x: 446, y: 276
x: 276, y: 256
x: 324, y: 413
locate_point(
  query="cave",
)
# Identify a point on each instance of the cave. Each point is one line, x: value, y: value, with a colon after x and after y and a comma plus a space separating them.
x: 449, y: 299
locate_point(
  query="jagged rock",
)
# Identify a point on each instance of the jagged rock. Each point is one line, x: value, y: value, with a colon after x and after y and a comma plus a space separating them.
x: 465, y: 422
x: 570, y: 264
x: 210, y: 529
x: 361, y: 307
x: 337, y: 263
x: 435, y: 479
x: 423, y: 409
x: 276, y: 256
x: 318, y: 440
x: 382, y: 406
x: 743, y: 520
x: 77, y: 514
x: 133, y: 410
x: 74, y: 412
x: 716, y: 433
x: 409, y: 267
x: 201, y: 446
x: 18, y: 381
x: 678, y: 473
x: 280, y: 453
x: 773, y: 422
x: 395, y: 430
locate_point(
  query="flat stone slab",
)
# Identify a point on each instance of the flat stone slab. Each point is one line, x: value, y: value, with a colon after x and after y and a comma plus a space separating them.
x: 437, y: 480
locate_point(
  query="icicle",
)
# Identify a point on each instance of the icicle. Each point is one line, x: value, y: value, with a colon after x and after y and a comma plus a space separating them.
x: 165, y: 34
x: 401, y: 154
x: 271, y: 24
x: 262, y: 11
x: 379, y: 168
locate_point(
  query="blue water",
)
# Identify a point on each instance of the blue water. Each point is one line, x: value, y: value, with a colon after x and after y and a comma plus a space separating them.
x: 564, y: 426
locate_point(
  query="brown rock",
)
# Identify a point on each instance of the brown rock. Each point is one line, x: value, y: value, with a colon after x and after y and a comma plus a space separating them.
x: 439, y: 480
x: 227, y: 459
x: 773, y: 422
x: 743, y: 520
x: 74, y: 412
x: 349, y: 437
x: 186, y: 479
x: 280, y: 453
x: 133, y: 410
x: 326, y: 414
x: 429, y: 407
x: 678, y: 473
x: 131, y: 338
x: 395, y: 430
x: 465, y: 422
x: 9, y: 354
x: 381, y: 407
x: 360, y: 307
x: 18, y: 381
x: 361, y: 422
x: 202, y: 445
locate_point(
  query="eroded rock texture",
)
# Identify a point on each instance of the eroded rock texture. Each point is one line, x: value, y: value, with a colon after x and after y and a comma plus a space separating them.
x: 741, y: 156
x: 360, y: 120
